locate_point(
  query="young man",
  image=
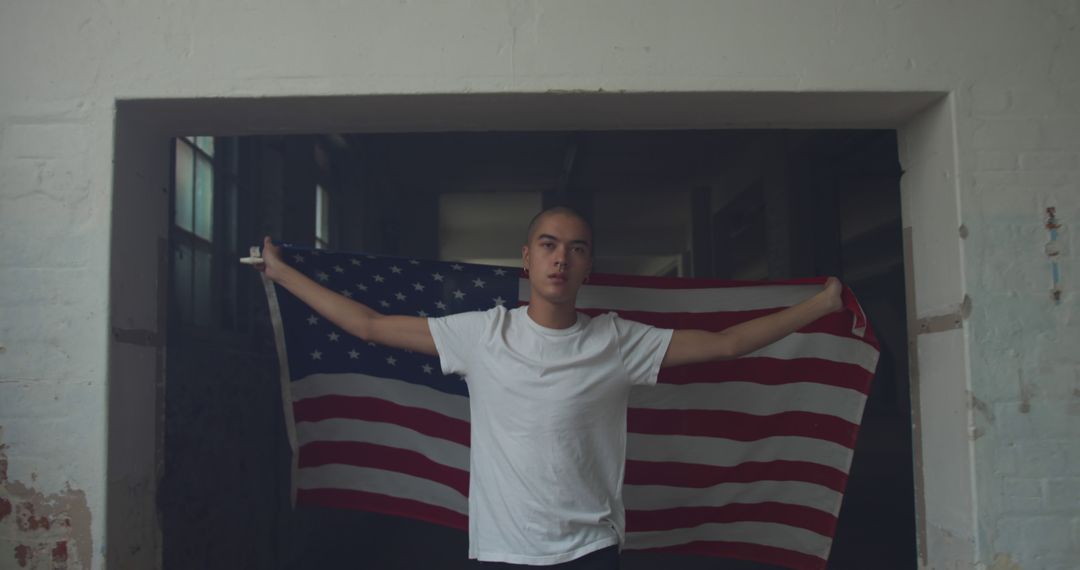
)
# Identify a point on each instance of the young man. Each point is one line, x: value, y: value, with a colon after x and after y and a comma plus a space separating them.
x: 548, y: 391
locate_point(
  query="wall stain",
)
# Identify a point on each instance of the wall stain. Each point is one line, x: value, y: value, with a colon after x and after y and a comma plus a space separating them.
x: 982, y: 407
x: 1026, y: 393
x: 60, y: 554
x: 1025, y: 399
x: 23, y: 554
x: 50, y: 531
x: 1053, y: 253
x: 26, y: 521
x: 1004, y: 562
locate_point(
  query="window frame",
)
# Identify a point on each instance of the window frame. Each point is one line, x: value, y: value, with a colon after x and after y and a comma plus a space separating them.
x: 230, y: 313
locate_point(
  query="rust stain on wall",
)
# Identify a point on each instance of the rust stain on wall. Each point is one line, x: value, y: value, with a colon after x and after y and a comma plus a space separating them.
x: 28, y: 521
x: 49, y: 531
x: 60, y: 553
x: 23, y: 554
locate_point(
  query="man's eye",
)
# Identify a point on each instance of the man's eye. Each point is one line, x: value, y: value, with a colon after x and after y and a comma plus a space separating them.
x: 547, y: 244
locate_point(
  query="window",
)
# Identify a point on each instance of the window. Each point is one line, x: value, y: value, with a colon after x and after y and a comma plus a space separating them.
x: 206, y: 203
x: 322, y: 217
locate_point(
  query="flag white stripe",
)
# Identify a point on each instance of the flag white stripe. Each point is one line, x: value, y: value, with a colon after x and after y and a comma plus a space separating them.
x: 390, y: 483
x: 699, y: 450
x: 824, y: 346
x: 712, y: 300
x: 768, y: 534
x: 390, y: 435
x: 748, y: 397
x: 751, y: 398
x: 389, y: 389
x: 720, y: 452
x: 658, y: 497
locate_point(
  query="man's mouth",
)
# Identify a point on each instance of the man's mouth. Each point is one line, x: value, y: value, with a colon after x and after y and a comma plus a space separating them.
x: 560, y: 277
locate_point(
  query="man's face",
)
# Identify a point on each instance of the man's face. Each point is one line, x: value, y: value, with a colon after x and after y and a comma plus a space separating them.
x: 558, y: 257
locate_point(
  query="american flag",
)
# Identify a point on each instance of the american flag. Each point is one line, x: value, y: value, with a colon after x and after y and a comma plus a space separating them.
x: 744, y: 459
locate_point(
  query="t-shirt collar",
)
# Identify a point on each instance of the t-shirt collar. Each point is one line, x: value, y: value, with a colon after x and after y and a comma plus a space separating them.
x: 580, y: 322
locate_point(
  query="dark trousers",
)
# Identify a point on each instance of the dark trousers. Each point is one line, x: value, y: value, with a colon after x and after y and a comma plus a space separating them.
x: 603, y: 559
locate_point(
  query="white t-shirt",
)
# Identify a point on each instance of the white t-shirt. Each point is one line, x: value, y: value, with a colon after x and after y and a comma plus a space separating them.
x: 548, y: 414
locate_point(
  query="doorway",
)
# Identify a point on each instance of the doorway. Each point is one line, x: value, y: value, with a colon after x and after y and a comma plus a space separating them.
x: 146, y: 127
x: 730, y: 204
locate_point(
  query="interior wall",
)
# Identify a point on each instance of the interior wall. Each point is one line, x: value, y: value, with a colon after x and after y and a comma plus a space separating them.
x: 80, y: 296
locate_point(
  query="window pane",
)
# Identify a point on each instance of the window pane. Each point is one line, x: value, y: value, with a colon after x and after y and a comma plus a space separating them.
x: 202, y: 299
x: 204, y: 198
x: 322, y: 217
x: 181, y: 283
x: 184, y: 187
x: 206, y: 143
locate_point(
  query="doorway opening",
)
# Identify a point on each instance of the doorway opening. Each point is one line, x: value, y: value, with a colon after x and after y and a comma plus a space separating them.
x: 142, y: 247
x: 728, y: 204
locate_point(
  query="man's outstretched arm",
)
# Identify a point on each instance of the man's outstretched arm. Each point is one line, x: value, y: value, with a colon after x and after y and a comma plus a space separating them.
x: 690, y: 346
x: 357, y: 319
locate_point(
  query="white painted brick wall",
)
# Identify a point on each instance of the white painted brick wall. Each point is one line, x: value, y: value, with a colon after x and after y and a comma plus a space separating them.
x: 1025, y: 349
x: 1013, y: 69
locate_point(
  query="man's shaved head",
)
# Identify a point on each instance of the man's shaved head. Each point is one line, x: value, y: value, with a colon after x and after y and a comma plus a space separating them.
x: 564, y: 210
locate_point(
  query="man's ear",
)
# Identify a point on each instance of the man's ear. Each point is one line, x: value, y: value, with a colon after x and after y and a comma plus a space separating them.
x: 524, y: 255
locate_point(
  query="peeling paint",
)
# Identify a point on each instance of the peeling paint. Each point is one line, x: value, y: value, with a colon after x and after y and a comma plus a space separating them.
x: 42, y: 555
x: 23, y: 554
x: 27, y: 521
x: 60, y: 553
x: 49, y: 530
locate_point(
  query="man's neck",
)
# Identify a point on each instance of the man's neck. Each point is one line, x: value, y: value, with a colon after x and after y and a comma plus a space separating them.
x: 551, y: 315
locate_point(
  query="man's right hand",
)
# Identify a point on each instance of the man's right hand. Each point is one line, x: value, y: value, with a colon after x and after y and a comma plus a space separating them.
x: 272, y: 262
x: 355, y: 318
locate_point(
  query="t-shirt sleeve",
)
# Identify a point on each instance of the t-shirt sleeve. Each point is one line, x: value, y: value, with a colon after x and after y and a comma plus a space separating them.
x: 456, y: 337
x: 642, y: 348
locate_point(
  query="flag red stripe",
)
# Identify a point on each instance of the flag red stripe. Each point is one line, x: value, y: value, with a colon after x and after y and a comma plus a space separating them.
x: 740, y: 426
x: 675, y: 474
x: 747, y: 551
x: 684, y: 517
x: 422, y: 420
x: 772, y: 371
x: 361, y: 454
x: 374, y: 502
